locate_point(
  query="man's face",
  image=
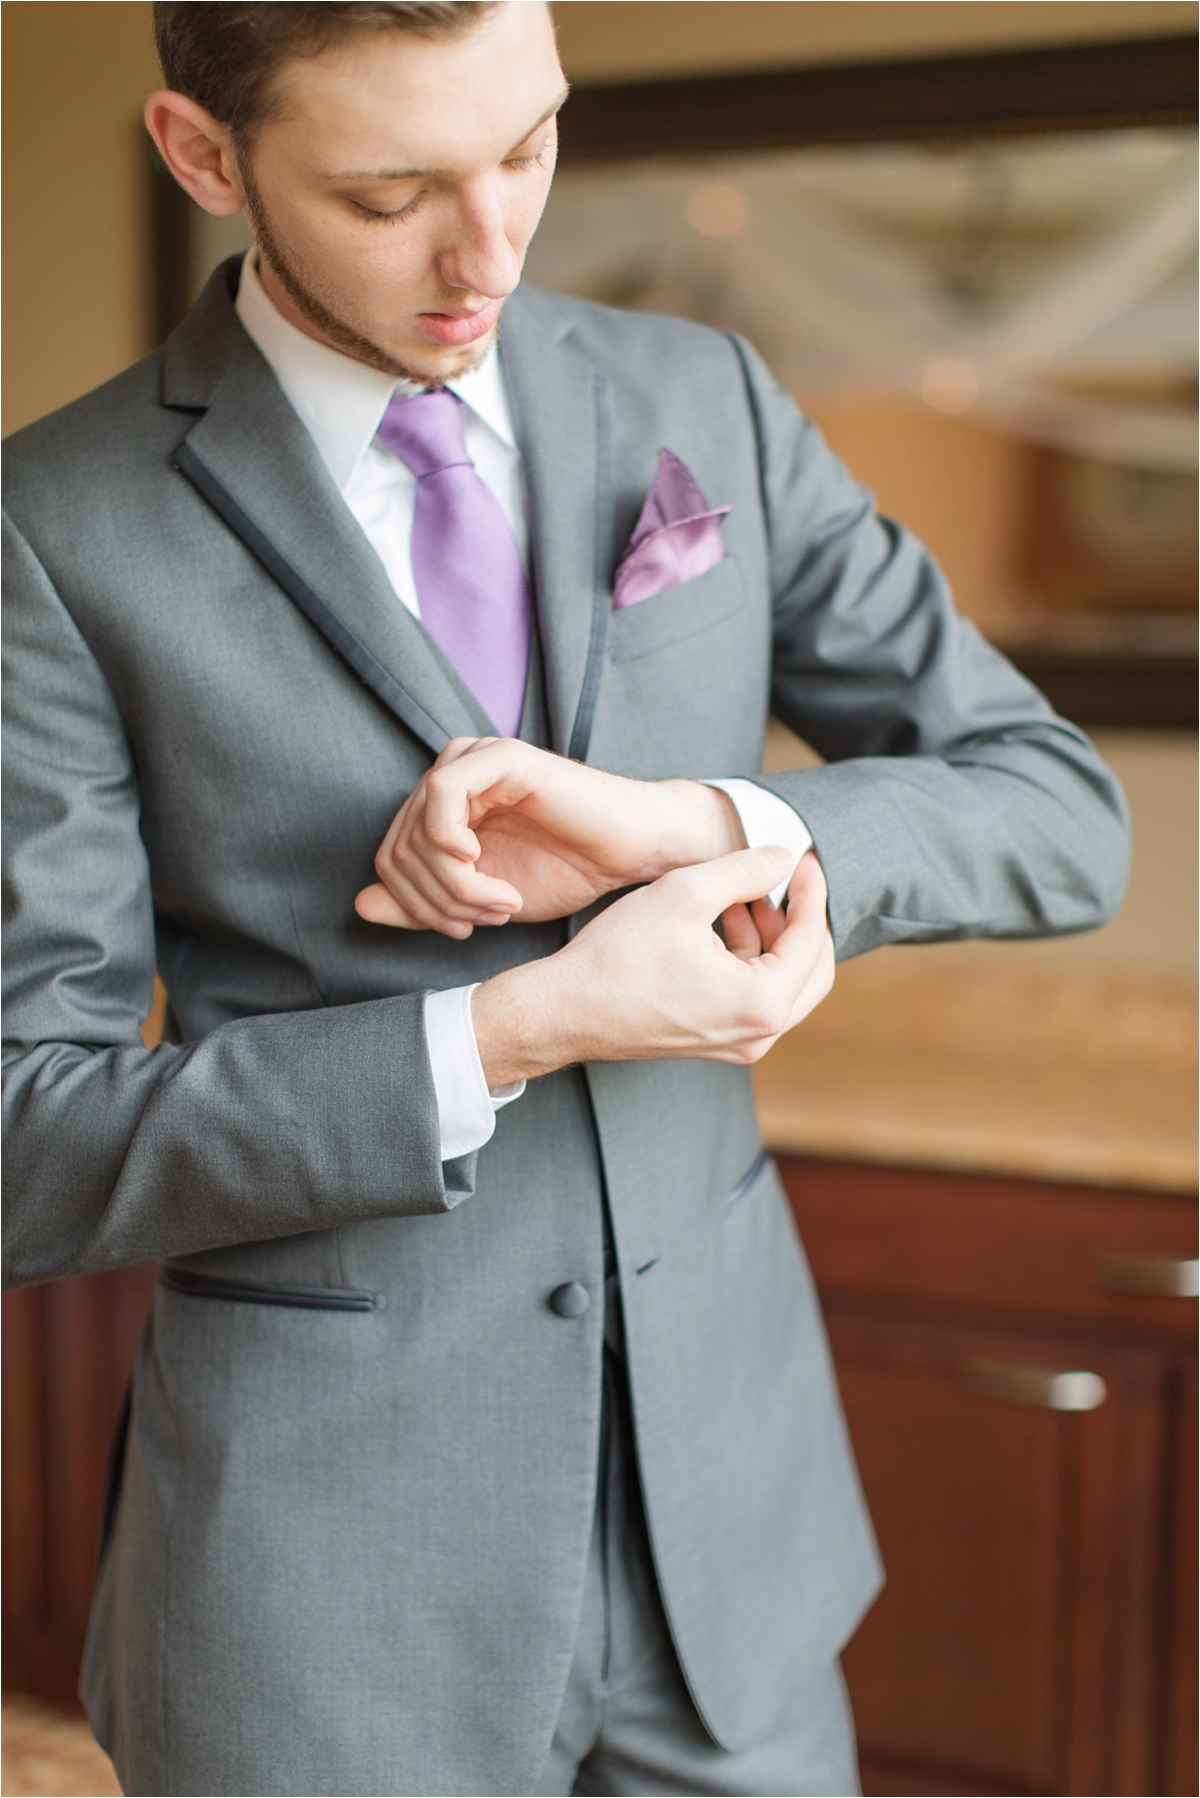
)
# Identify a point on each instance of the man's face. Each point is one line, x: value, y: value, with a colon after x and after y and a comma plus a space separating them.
x: 395, y: 194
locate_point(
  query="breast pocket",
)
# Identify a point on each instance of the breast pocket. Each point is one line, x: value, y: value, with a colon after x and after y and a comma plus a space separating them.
x: 676, y: 614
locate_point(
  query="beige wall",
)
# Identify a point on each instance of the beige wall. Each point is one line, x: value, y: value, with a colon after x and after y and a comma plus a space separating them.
x: 608, y: 40
x: 75, y: 275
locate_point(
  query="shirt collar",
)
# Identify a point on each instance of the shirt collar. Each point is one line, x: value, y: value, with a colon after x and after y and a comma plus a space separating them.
x: 340, y: 401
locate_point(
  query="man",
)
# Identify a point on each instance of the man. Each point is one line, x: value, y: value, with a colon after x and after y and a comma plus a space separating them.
x: 484, y: 1437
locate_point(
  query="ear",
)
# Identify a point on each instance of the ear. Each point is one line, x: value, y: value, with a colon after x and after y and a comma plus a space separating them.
x: 198, y: 150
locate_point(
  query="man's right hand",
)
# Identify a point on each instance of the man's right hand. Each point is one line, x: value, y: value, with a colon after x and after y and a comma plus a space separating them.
x: 650, y: 979
x: 497, y: 828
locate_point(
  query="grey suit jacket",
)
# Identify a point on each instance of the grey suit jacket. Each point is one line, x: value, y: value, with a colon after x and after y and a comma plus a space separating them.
x: 349, y: 1549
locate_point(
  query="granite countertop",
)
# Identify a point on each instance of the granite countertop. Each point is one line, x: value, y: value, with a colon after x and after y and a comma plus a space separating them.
x: 979, y: 1057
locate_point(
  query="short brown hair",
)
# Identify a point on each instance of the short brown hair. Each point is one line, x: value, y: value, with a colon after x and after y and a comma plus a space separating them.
x: 223, y: 56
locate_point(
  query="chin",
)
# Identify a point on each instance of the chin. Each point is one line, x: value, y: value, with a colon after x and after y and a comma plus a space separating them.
x: 429, y: 361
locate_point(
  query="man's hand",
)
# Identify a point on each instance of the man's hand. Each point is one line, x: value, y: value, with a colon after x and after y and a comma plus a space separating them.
x: 497, y: 828
x: 650, y: 979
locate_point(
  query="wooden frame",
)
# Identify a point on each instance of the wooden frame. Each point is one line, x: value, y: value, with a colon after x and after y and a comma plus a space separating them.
x: 1079, y: 87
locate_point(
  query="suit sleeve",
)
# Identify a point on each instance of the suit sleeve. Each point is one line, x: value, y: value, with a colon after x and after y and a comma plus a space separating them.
x: 955, y: 802
x: 113, y: 1153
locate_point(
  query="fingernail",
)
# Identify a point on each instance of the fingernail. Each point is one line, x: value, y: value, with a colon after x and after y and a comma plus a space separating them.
x: 782, y: 857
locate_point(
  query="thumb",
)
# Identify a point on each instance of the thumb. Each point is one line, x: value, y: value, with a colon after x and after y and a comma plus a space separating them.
x: 744, y: 875
x: 377, y: 906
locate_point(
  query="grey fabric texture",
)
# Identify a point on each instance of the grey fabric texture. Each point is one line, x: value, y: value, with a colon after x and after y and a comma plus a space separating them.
x: 350, y: 1548
x: 627, y: 1723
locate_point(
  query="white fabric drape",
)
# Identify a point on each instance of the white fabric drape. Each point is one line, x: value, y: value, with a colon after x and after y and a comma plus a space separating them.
x: 1060, y: 271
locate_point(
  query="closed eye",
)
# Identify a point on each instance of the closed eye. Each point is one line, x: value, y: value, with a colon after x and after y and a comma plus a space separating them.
x: 386, y: 218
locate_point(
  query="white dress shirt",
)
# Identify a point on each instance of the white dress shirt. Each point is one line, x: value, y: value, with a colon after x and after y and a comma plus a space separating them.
x: 341, y: 403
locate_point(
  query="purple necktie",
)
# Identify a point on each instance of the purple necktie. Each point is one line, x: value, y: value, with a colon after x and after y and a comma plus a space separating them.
x: 467, y: 567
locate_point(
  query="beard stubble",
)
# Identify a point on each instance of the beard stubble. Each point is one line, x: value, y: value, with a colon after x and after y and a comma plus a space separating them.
x: 300, y: 290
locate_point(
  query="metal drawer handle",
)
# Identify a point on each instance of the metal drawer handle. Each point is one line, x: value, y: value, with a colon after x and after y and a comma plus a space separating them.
x: 1161, y: 1274
x: 1044, y: 1386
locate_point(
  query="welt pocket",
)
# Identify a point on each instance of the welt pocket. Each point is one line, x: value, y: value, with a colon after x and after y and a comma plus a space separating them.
x: 676, y: 613
x: 749, y: 1179
x: 249, y: 1292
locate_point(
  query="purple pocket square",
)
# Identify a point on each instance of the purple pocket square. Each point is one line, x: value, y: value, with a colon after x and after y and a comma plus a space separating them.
x: 677, y: 537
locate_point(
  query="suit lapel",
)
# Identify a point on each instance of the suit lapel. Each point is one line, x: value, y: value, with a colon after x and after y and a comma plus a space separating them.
x: 561, y: 410
x: 252, y: 459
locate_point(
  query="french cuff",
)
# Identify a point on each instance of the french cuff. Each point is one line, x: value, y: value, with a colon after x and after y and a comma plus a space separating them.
x: 466, y: 1106
x: 766, y: 819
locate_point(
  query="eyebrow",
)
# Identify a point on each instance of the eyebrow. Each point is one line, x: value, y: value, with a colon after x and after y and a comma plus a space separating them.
x: 413, y: 174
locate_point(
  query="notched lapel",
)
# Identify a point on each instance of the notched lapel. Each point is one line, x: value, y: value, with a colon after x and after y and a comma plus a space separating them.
x: 561, y: 409
x: 254, y: 462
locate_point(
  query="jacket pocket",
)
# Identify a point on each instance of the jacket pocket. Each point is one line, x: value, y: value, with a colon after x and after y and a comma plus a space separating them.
x: 676, y: 613
x: 250, y: 1292
x: 749, y: 1179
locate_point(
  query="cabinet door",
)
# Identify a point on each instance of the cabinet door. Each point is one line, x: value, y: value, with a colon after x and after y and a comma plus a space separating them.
x: 1182, y: 1774
x: 69, y: 1348
x: 1012, y: 1648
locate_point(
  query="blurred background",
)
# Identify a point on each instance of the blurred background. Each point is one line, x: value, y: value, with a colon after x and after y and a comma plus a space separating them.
x: 964, y: 235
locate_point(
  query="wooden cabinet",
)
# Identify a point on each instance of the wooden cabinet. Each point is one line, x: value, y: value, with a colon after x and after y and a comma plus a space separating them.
x: 1037, y: 1631
x: 1022, y: 1409
x: 69, y: 1348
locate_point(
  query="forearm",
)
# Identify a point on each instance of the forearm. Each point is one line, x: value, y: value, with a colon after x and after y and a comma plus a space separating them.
x: 266, y: 1127
x: 1024, y: 836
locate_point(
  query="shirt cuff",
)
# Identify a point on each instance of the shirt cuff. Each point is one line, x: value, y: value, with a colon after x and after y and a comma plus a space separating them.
x: 766, y: 819
x: 466, y: 1107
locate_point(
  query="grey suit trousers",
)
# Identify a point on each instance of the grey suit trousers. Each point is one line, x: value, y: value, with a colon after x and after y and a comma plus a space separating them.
x: 627, y: 1723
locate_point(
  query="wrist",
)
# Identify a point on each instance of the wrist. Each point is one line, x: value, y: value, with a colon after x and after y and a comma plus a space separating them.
x: 698, y: 824
x: 522, y: 1025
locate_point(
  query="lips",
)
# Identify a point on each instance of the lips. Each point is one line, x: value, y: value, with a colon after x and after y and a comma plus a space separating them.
x: 456, y: 328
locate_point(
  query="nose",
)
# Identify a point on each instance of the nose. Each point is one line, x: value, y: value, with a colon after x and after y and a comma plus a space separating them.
x: 478, y: 257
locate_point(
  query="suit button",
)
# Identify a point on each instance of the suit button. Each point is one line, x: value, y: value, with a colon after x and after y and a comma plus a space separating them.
x: 571, y: 1300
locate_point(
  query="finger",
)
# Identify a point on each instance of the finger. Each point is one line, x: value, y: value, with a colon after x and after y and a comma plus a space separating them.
x: 493, y: 773
x: 806, y: 932
x: 770, y: 921
x: 415, y: 806
x: 808, y: 873
x: 411, y: 885
x: 741, y: 937
x: 818, y: 986
x: 459, y: 746
x: 414, y: 910
x: 712, y: 887
x: 377, y: 906
x: 450, y: 885
x: 815, y: 986
x: 447, y: 881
